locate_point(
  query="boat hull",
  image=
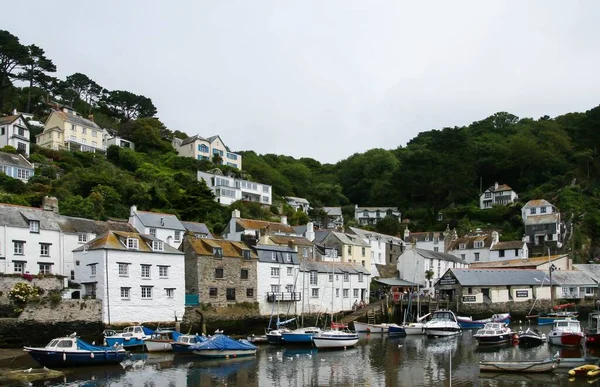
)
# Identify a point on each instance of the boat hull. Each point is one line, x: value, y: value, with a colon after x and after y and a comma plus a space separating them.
x: 567, y: 339
x: 440, y: 332
x: 224, y: 353
x: 181, y: 347
x: 158, y: 346
x: 58, y: 359
x: 518, y: 366
x: 396, y: 330
x: 494, y: 340
x: 125, y: 342
x: 592, y: 340
x: 323, y: 342
x: 371, y: 328
x: 530, y: 341
x: 549, y: 320
x: 297, y: 338
x: 414, y: 329
x: 273, y: 338
x: 467, y: 323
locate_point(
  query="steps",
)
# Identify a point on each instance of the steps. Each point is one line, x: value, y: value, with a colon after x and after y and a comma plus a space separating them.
x: 369, y: 309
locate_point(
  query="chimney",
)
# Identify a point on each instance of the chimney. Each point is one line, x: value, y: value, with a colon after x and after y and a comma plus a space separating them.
x: 91, y: 117
x: 495, y: 237
x: 132, y: 210
x: 310, y: 231
x: 50, y: 203
x: 283, y: 219
x: 495, y: 185
x: 14, y: 112
x: 235, y: 214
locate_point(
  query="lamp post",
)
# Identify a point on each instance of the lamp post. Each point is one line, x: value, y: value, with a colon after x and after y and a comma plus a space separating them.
x: 552, y: 268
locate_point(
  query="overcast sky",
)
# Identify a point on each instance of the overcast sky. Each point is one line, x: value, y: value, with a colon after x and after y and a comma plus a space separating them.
x: 325, y: 79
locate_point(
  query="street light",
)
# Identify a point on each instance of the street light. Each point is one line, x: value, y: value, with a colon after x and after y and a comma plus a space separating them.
x: 552, y: 268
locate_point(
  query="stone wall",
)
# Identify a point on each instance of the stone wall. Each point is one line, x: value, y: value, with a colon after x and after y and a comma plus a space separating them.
x: 66, y: 310
x: 517, y: 309
x: 15, y: 333
x: 7, y: 282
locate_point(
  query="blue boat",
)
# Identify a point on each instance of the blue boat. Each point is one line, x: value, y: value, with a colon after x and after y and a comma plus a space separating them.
x: 184, y: 342
x: 300, y: 336
x: 469, y: 323
x: 130, y: 337
x: 71, y: 351
x: 396, y: 330
x: 223, y: 346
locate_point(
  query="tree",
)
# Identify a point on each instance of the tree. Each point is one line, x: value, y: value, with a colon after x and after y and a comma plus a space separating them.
x: 127, y: 106
x: 35, y: 67
x: 388, y: 225
x: 80, y: 87
x: 12, y: 55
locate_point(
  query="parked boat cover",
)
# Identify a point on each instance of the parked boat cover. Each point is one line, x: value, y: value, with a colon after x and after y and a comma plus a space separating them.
x: 223, y: 343
x: 89, y: 347
x: 148, y: 331
x: 176, y: 335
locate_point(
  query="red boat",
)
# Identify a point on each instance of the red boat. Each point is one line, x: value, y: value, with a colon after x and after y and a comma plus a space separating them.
x: 592, y: 332
x: 566, y: 332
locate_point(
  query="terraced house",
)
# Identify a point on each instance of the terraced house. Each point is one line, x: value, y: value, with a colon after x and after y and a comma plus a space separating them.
x: 210, y: 148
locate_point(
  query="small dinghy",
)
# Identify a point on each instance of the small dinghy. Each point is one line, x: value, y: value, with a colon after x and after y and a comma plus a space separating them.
x: 224, y: 346
x: 469, y: 323
x: 73, y: 352
x: 546, y: 365
x: 184, y: 342
x: 531, y: 338
x: 493, y: 334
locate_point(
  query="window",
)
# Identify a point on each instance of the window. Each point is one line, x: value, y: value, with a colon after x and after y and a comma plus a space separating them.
x: 145, y: 271
x: 153, y: 232
x: 72, y: 275
x: 19, y: 248
x: 275, y: 288
x: 274, y: 272
x: 305, y: 252
x: 337, y: 292
x: 265, y: 199
x: 313, y: 278
x: 244, y: 274
x: 349, y: 250
x: 532, y: 211
x: 246, y: 254
x: 501, y: 253
x: 132, y: 243
x: 463, y: 257
x: 478, y: 244
x: 22, y: 173
x: 45, y: 249
x: 469, y: 290
x: 436, y: 249
x: 273, y: 256
x: 158, y: 246
x: 123, y: 270
x: 330, y: 277
x: 232, y: 156
x: 212, y: 292
x: 219, y: 272
x: 125, y: 293
x: 266, y: 189
x: 360, y: 277
x: 289, y: 288
x: 230, y: 294
x: 146, y: 292
x: 163, y: 271
x: 73, y: 128
x: 94, y: 144
x: 170, y: 292
x: 364, y: 251
x: 82, y: 238
x: 83, y: 131
x: 218, y: 252
x: 177, y: 236
x: 34, y: 226
x: 202, y: 148
x: 93, y: 269
x: 314, y: 292
x: 345, y: 293
x: 346, y: 277
x: 19, y: 267
x: 288, y: 257
x: 355, y: 291
x: 250, y: 292
x: 488, y: 195
x: 2, y: 131
x: 93, y: 133
x: 218, y: 152
x: 45, y: 268
x: 461, y: 246
x: 542, y: 210
x: 476, y: 257
x: 290, y: 271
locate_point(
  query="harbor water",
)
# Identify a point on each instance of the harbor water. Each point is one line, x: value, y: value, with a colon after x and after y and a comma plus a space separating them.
x: 377, y: 360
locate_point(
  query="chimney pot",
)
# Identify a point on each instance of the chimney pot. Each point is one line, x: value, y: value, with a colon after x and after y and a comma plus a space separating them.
x: 91, y: 117
x: 283, y: 219
x: 496, y: 185
x: 50, y: 203
x: 14, y: 112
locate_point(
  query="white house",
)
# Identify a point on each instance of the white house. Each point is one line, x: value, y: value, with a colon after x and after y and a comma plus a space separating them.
x: 40, y: 241
x: 253, y: 231
x: 110, y: 137
x: 371, y: 215
x: 16, y: 166
x: 384, y: 248
x: 300, y: 204
x: 14, y: 132
x: 137, y: 277
x: 508, y: 250
x: 165, y: 227
x: 414, y: 263
x: 432, y: 241
x: 228, y: 189
x: 277, y: 290
x: 334, y: 218
x: 542, y: 225
x: 472, y: 247
x: 201, y: 148
x: 497, y: 194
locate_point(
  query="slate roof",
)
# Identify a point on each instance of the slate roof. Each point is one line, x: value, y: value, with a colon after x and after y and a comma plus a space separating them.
x: 572, y: 277
x: 421, y: 236
x: 349, y: 239
x: 285, y: 240
x: 376, y: 208
x: 197, y: 228
x: 537, y: 203
x: 264, y: 253
x: 298, y: 200
x: 437, y: 255
x: 16, y: 160
x: 469, y: 242
x: 9, y: 119
x: 18, y: 216
x: 500, y: 277
x: 375, y: 235
x: 320, y: 236
x: 501, y: 187
x: 114, y: 240
x: 333, y: 211
x: 592, y: 270
x: 508, y: 245
x: 193, y: 139
x: 300, y: 230
x: 159, y: 220
x: 77, y: 120
x: 541, y: 219
x: 395, y: 282
x: 204, y: 247
x: 516, y: 263
x: 335, y: 268
x: 251, y: 224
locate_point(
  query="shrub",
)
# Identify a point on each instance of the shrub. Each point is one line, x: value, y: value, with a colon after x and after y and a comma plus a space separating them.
x: 54, y: 297
x: 20, y: 294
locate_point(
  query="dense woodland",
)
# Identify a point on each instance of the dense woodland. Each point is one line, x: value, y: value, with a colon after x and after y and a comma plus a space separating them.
x: 438, y: 172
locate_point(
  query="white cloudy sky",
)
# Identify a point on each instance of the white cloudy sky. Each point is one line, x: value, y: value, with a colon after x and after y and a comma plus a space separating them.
x: 325, y: 79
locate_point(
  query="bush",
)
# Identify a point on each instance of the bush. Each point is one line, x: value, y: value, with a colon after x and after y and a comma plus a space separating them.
x: 20, y: 294
x: 55, y: 298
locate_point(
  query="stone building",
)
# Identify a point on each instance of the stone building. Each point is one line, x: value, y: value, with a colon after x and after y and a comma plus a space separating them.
x: 221, y: 272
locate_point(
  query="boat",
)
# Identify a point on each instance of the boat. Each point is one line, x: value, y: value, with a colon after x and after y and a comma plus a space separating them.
x: 71, y: 351
x: 335, y: 339
x: 223, y: 346
x: 573, y: 362
x: 531, y: 337
x: 160, y: 341
x: 300, y: 335
x: 493, y: 333
x: 546, y: 365
x: 416, y: 328
x: 396, y: 330
x: 184, y: 342
x: 443, y: 323
x: 558, y: 312
x: 371, y: 328
x: 133, y: 336
x: 583, y: 370
x: 592, y: 332
x: 469, y: 323
x: 260, y: 339
x: 566, y: 332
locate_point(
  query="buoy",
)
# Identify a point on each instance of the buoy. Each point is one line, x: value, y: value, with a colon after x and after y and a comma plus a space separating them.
x: 593, y: 373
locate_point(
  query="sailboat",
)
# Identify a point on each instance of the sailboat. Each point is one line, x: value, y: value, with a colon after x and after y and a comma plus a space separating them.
x: 274, y: 336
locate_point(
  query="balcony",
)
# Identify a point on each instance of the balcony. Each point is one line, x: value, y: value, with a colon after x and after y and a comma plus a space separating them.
x: 283, y: 296
x: 572, y: 296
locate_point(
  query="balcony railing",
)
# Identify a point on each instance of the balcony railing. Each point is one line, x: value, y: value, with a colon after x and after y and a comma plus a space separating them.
x: 572, y: 296
x: 283, y: 296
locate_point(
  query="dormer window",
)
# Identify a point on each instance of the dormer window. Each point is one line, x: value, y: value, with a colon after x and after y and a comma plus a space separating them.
x: 246, y: 254
x: 542, y: 210
x: 478, y: 244
x: 34, y: 226
x: 288, y: 257
x: 218, y: 252
x: 462, y: 246
x: 273, y: 256
x: 533, y: 211
x: 82, y: 238
x: 132, y: 243
x: 157, y: 246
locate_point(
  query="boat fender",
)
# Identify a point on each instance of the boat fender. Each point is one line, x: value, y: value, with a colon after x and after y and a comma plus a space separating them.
x: 91, y: 355
x: 593, y: 373
x: 64, y: 356
x: 583, y: 370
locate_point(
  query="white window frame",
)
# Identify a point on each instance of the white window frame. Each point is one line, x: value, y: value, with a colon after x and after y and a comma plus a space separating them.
x: 46, y: 247
x: 345, y: 293
x: 314, y: 293
x: 290, y: 271
x: 158, y: 246
x: 355, y: 291
x: 123, y: 270
x: 145, y: 271
x: 152, y: 232
x: 45, y: 268
x: 132, y: 244
x: 18, y: 265
x: 146, y: 292
x: 93, y: 269
x: 163, y: 271
x: 275, y: 288
x: 313, y: 278
x: 275, y: 272
x: 19, y: 248
x: 125, y: 293
x: 82, y: 238
x: 170, y: 292
x: 34, y: 226
x: 360, y: 277
x: 346, y: 277
x: 177, y: 237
